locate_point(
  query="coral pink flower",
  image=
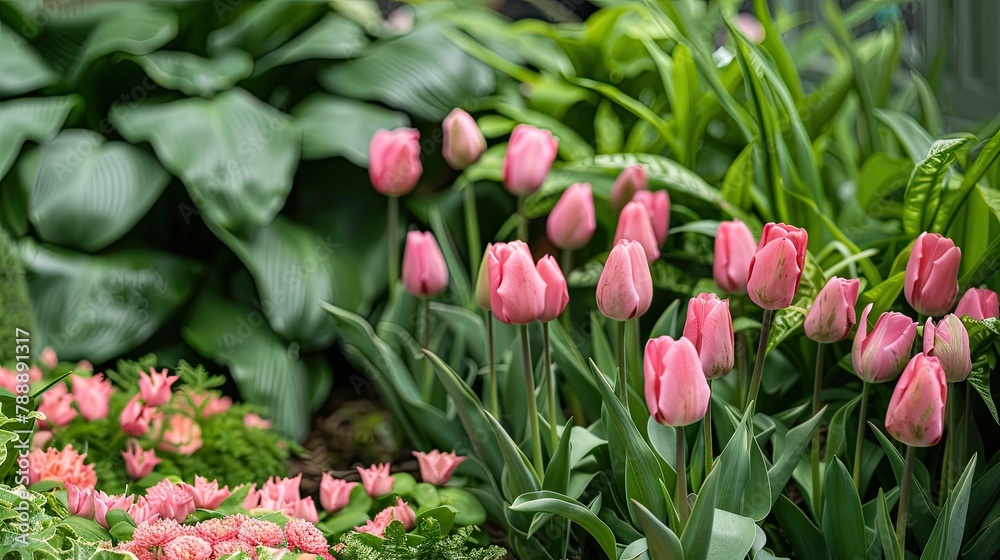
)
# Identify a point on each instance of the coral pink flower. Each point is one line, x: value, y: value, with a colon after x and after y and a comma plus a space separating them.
x: 305, y: 537
x: 376, y: 480
x: 139, y: 463
x: 92, y: 395
x: 251, y: 420
x: 257, y: 532
x: 142, y: 511
x: 171, y: 500
x: 182, y: 436
x: 155, y: 387
x: 404, y: 514
x: 57, y: 406
x: 436, y: 467
x: 62, y: 466
x: 80, y: 501
x: 48, y: 358
x: 104, y: 503
x: 334, y: 493
x: 187, y: 547
x: 220, y: 529
x: 222, y: 548
x: 207, y: 495
x: 377, y: 526
x: 135, y: 417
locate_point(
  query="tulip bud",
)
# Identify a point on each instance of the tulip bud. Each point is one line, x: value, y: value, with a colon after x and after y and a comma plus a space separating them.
x: 831, y: 316
x: 404, y: 514
x: 463, y: 141
x: 517, y: 292
x: 677, y: 393
x: 625, y: 289
x: 879, y: 356
x: 635, y: 224
x: 776, y: 268
x: 424, y: 272
x: 734, y: 247
x: 949, y: 343
x: 978, y: 304
x: 394, y: 161
x: 657, y: 204
x: 556, y: 292
x: 334, y: 493
x: 709, y: 326
x: 631, y: 180
x: 571, y: 223
x: 483, y: 280
x: 529, y: 158
x: 916, y: 410
x: 932, y: 274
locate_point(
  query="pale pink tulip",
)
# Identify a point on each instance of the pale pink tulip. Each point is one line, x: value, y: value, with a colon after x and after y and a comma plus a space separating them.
x: 425, y: 273
x: 463, y: 141
x: 634, y: 224
x: 916, y: 410
x: 832, y: 316
x: 529, y: 157
x: 978, y: 304
x: 556, y: 292
x: 436, y: 467
x: 572, y: 222
x: 334, y: 493
x: 155, y: 387
x: 517, y: 291
x: 625, y: 289
x: 677, y: 392
x: 376, y: 480
x: 139, y: 463
x: 394, y: 161
x: 709, y: 326
x: 631, y: 180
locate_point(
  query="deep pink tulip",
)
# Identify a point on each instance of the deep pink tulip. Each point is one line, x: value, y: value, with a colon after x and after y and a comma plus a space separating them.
x: 334, y: 493
x: 155, y: 387
x: 517, y: 291
x: 436, y: 467
x: 709, y: 326
x: 529, y: 158
x: 556, y: 292
x: 634, y: 224
x: 978, y: 304
x: 657, y: 204
x: 139, y: 463
x: 376, y: 480
x: 916, y: 410
x: 631, y: 180
x: 104, y: 503
x: 932, y: 274
x: 572, y: 223
x: 776, y: 268
x: 677, y: 392
x: 948, y: 341
x: 394, y: 161
x: 734, y: 247
x: 92, y: 395
x: 625, y: 289
x: 880, y: 355
x: 832, y: 316
x: 171, y: 500
x: 142, y: 511
x: 57, y: 406
x: 463, y: 141
x: 80, y: 500
x: 425, y: 273
x: 207, y: 494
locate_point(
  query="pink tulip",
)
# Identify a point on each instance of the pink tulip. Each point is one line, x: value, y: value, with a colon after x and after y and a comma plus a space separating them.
x: 657, y: 204
x: 305, y: 509
x: 182, y: 435
x: 572, y: 223
x: 84, y: 365
x: 80, y: 500
x: 916, y: 410
x: 376, y: 480
x: 57, y: 406
x: 404, y: 514
x: 135, y: 417
x: 634, y: 224
x: 625, y: 289
x: 155, y: 387
x: 932, y: 274
x: 734, y: 247
x: 172, y: 501
x: 978, y: 304
x: 483, y: 280
x: 631, y: 180
x: 142, y: 511
x: 677, y: 393
x: 832, y: 316
x: 750, y: 27
x: 517, y: 291
x: 334, y: 493
x: 463, y: 141
x: 709, y: 327
x: 92, y: 395
x: 556, y: 292
x: 139, y: 463
x: 251, y: 420
x: 776, y: 268
x: 949, y: 343
x: 879, y: 356
x: 378, y: 525
x: 425, y: 273
x: 205, y: 494
x: 436, y: 467
x: 394, y: 161
x: 529, y: 158
x: 104, y: 503
x: 48, y: 358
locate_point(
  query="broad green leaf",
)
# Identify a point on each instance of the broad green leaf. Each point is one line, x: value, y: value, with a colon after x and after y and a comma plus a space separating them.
x: 737, y: 187
x: 923, y: 192
x: 235, y: 154
x: 519, y: 472
x: 775, y: 46
x: 136, y: 29
x: 21, y: 68
x: 744, y: 488
x: 883, y: 295
x: 36, y: 118
x: 444, y: 515
x: 563, y: 506
x: 886, y: 531
x: 195, y: 75
x: 264, y: 26
x: 794, y: 448
x: 470, y: 510
x: 99, y: 307
x: 953, y: 199
x: 806, y: 540
x: 843, y: 522
x: 608, y: 129
x: 423, y: 73
x: 78, y: 180
x: 818, y: 109
x: 984, y: 544
x: 556, y: 477
x: 335, y: 126
x: 698, y: 533
x: 333, y: 37
x: 662, y: 543
x: 945, y: 541
x: 910, y: 134
x: 732, y: 536
x: 837, y: 432
x: 881, y: 184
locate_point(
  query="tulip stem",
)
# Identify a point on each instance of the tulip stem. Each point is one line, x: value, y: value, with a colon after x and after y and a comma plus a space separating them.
x: 392, y: 238
x: 859, y: 444
x: 948, y: 469
x: 426, y: 343
x: 472, y: 229
x: 709, y: 455
x: 741, y: 357
x: 566, y: 257
x: 904, y: 498
x: 622, y: 377
x: 529, y: 383
x: 965, y: 420
x: 522, y: 220
x: 817, y: 388
x: 758, y: 368
x: 494, y: 395
x: 680, y: 490
x: 551, y: 382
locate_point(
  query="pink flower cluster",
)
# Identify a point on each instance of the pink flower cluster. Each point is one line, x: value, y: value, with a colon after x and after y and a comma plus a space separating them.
x: 214, y: 538
x: 282, y: 495
x: 400, y: 512
x: 165, y: 500
x: 64, y: 466
x: 435, y: 468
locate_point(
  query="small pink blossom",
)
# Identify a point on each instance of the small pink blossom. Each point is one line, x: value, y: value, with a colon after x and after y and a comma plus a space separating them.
x: 257, y: 532
x: 251, y: 420
x: 142, y: 511
x: 334, y: 493
x: 80, y: 501
x: 377, y: 526
x: 84, y: 365
x: 62, y: 466
x: 207, y: 495
x: 155, y: 386
x: 404, y: 514
x: 57, y: 406
x: 104, y: 503
x: 139, y: 463
x: 182, y: 435
x: 187, y: 547
x: 92, y: 395
x: 48, y: 358
x: 376, y: 480
x: 135, y: 417
x: 220, y: 529
x: 436, y: 467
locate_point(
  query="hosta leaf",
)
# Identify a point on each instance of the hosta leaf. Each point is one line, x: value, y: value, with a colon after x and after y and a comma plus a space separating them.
x: 262, y: 26
x: 235, y: 154
x: 335, y: 126
x: 135, y: 29
x: 98, y: 307
x: 923, y: 192
x: 193, y: 74
x: 78, y: 180
x: 333, y: 37
x: 35, y: 118
x: 21, y: 69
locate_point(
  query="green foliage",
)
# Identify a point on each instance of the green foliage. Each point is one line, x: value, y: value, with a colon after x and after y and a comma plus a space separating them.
x: 427, y: 542
x: 15, y: 307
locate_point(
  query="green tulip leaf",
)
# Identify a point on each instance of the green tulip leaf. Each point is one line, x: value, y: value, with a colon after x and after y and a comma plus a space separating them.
x: 662, y: 543
x: 886, y: 532
x: 924, y: 190
x: 945, y: 541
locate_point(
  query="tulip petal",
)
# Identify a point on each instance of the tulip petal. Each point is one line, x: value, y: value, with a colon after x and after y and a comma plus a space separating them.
x: 774, y: 275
